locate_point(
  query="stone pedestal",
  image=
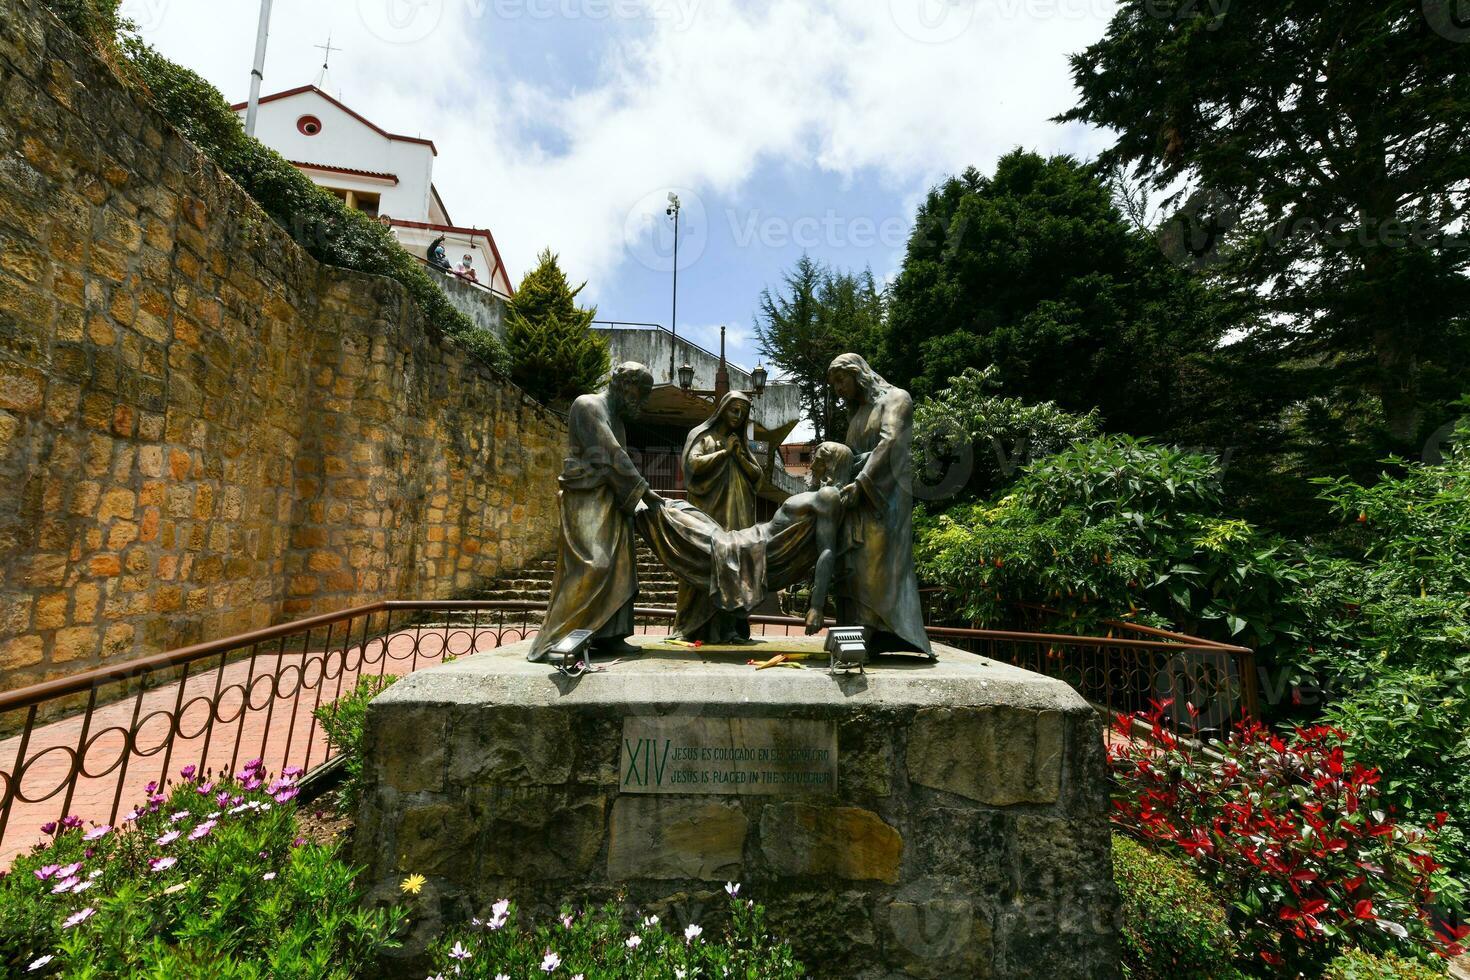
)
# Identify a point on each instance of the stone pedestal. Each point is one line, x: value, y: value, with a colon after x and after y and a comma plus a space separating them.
x: 924, y: 820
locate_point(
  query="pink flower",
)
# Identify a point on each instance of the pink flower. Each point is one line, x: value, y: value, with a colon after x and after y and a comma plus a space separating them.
x: 97, y: 833
x: 49, y: 827
x: 459, y: 952
x: 633, y: 942
x: 188, y: 772
x: 692, y: 933
x: 732, y: 888
x: 41, y: 961
x: 167, y: 838
x: 69, y: 870
x: 291, y: 772
x: 163, y: 863
x: 176, y: 817
x: 202, y: 831
x: 550, y: 962
x: 48, y: 872
x: 286, y: 795
x: 79, y: 918
x: 205, y: 789
x: 65, y: 885
x: 71, y: 823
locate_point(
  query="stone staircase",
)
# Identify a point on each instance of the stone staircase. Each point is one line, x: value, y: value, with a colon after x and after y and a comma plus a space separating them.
x: 656, y: 585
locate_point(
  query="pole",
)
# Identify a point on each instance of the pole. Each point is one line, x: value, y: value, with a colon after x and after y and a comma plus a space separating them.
x: 257, y: 73
x: 674, y: 313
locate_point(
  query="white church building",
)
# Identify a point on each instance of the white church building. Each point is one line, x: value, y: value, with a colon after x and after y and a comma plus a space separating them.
x: 382, y: 174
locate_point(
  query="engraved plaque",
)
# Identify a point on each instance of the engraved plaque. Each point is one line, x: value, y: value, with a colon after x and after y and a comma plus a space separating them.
x: 743, y: 756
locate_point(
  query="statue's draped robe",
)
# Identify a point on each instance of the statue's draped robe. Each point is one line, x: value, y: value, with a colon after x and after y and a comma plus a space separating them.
x: 735, y: 570
x: 879, y: 588
x: 724, y: 490
x: 596, y: 579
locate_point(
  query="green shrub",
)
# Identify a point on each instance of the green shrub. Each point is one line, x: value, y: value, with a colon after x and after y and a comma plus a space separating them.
x: 1388, y: 630
x: 1358, y: 965
x: 969, y: 442
x: 1116, y: 527
x: 344, y: 721
x: 600, y: 945
x: 206, y: 879
x: 1174, y: 928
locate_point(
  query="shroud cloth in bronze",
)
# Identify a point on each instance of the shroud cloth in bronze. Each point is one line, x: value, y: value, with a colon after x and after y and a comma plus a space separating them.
x: 736, y: 570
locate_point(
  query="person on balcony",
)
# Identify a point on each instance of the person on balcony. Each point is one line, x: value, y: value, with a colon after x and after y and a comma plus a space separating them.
x: 722, y: 475
x: 436, y: 255
x: 466, y: 269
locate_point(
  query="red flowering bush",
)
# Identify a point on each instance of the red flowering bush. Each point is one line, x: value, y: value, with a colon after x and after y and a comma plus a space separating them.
x: 1290, y: 835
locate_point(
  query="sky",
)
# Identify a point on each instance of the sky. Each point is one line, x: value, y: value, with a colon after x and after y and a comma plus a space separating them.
x: 784, y: 126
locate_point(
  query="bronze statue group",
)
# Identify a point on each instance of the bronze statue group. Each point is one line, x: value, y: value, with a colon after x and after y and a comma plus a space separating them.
x: 851, y: 534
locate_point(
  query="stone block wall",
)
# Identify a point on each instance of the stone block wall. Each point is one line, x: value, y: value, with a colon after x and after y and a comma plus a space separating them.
x: 966, y: 834
x: 202, y: 429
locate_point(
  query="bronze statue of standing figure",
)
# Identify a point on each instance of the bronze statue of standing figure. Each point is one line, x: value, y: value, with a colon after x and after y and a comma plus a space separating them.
x: 879, y: 589
x: 596, y: 566
x: 722, y: 475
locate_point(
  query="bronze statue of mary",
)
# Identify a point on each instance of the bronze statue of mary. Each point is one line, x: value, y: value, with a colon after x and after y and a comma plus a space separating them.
x: 721, y: 474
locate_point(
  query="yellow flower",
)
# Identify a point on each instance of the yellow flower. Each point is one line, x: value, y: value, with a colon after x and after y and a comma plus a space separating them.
x: 413, y: 884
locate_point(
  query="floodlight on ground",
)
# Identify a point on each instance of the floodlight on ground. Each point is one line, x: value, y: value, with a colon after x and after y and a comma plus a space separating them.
x: 847, y: 648
x: 572, y: 654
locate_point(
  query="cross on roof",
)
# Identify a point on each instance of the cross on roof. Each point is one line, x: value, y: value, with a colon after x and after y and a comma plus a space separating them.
x: 327, y: 50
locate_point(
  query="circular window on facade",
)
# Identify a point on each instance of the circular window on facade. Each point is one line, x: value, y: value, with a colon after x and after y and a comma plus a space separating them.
x: 309, y: 125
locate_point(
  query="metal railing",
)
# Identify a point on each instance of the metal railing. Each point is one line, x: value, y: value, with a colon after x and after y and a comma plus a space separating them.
x: 89, y: 745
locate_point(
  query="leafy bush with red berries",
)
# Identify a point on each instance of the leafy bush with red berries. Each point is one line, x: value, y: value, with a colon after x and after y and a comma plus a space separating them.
x: 1291, y: 836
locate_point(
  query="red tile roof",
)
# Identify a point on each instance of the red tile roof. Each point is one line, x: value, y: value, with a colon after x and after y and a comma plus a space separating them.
x: 371, y: 174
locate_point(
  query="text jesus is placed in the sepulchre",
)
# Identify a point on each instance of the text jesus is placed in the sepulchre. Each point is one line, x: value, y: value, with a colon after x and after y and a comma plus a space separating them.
x: 728, y: 755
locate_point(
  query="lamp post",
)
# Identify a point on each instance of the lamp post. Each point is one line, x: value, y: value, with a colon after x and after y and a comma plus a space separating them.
x: 758, y: 379
x: 257, y: 71
x: 673, y: 211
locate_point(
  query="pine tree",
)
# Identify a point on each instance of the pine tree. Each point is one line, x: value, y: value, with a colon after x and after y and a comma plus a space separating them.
x: 554, y: 355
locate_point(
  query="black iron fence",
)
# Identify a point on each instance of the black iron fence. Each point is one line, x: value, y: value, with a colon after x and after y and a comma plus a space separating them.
x: 89, y: 745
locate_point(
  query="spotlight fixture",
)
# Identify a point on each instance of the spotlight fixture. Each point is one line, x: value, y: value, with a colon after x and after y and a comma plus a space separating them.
x: 847, y: 649
x: 572, y: 654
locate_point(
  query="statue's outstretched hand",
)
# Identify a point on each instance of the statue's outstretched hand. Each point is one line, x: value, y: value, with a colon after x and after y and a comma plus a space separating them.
x: 814, y: 621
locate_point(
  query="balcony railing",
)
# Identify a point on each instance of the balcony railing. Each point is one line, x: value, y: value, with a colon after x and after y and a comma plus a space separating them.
x: 89, y: 745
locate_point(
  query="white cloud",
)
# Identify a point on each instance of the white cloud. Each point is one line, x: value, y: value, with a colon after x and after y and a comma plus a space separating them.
x: 696, y: 94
